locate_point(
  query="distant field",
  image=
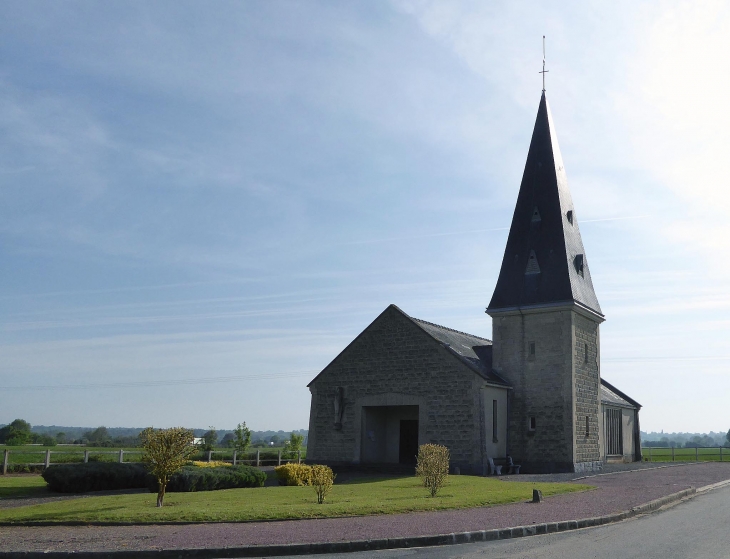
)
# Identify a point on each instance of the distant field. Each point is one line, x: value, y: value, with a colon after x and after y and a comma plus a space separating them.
x: 31, y: 454
x: 358, y: 497
x: 686, y: 454
x: 64, y: 454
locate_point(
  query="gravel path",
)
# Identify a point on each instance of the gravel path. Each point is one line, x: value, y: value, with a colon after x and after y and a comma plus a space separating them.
x: 615, y: 492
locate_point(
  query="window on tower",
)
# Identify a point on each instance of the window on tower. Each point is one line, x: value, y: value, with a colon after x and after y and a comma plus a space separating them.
x: 494, y: 421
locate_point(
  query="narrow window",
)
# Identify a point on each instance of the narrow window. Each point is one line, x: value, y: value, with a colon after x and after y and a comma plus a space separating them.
x: 494, y: 421
x: 569, y: 215
x: 585, y: 353
x: 531, y: 351
x: 533, y: 423
x: 588, y: 426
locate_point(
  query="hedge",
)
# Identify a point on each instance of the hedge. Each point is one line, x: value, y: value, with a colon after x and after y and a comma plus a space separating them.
x: 193, y: 478
x: 94, y: 476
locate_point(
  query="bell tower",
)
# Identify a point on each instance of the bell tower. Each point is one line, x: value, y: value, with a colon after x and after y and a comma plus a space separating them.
x: 545, y: 320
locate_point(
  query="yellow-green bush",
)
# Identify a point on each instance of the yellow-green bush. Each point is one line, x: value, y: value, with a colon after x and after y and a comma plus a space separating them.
x: 433, y: 466
x: 322, y: 479
x: 211, y: 464
x: 293, y: 474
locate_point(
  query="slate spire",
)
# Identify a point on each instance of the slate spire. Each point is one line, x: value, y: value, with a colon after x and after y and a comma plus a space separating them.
x: 544, y: 262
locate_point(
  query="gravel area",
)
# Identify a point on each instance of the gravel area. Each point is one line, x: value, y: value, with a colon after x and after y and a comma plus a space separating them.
x: 615, y: 492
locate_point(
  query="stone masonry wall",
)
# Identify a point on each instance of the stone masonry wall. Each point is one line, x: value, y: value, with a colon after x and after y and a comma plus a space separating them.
x: 587, y: 390
x: 395, y: 357
x: 542, y: 386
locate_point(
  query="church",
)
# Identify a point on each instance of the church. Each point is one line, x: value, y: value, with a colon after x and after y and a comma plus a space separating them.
x: 533, y: 392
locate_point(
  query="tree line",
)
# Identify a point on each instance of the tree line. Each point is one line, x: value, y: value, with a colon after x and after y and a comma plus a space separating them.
x: 685, y: 440
x: 20, y: 432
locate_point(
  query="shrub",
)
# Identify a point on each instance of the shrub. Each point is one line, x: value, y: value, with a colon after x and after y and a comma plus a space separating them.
x: 165, y: 452
x: 433, y: 466
x: 293, y: 474
x: 94, y: 476
x: 322, y: 480
x: 211, y: 464
x: 193, y: 478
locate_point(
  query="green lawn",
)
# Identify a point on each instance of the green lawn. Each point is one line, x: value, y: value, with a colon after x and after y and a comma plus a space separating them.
x: 12, y: 486
x: 361, y: 497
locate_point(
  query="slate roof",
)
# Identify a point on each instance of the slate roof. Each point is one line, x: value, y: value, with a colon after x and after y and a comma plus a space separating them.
x: 474, y: 351
x: 544, y: 261
x: 612, y: 396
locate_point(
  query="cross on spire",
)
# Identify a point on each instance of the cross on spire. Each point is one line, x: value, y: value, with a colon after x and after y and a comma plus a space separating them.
x: 544, y: 71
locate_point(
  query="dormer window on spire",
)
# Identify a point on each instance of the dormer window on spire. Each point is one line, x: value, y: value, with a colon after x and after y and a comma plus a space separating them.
x: 532, y: 266
x: 578, y: 263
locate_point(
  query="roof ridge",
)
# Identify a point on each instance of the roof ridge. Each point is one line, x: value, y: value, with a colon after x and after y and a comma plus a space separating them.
x: 449, y: 329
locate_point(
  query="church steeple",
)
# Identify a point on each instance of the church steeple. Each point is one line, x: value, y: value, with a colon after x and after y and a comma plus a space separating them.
x: 544, y: 263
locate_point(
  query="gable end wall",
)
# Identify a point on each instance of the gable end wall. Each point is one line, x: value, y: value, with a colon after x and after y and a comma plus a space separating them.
x: 394, y: 362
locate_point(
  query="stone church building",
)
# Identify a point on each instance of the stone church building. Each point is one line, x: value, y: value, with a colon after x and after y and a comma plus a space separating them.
x: 534, y: 392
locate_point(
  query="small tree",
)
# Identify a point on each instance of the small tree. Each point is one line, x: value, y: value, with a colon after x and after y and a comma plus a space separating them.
x: 293, y: 445
x: 433, y: 466
x: 165, y: 452
x: 241, y: 438
x: 322, y: 479
x: 728, y: 438
x: 210, y: 439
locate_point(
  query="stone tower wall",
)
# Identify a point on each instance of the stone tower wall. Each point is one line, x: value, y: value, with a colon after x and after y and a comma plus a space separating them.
x: 393, y: 362
x: 587, y: 390
x: 543, y: 386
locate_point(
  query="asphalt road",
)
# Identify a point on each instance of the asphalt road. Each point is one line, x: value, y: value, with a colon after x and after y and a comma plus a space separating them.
x: 698, y: 528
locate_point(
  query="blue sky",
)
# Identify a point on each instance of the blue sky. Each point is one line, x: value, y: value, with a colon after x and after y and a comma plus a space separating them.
x: 202, y: 204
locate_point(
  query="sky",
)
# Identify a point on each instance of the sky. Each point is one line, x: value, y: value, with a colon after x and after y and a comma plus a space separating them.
x: 202, y: 204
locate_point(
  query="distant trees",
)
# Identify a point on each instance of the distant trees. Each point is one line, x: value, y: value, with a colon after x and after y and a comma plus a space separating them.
x: 727, y: 437
x: 165, y: 452
x: 98, y: 437
x: 699, y: 441
x: 210, y: 439
x: 16, y: 434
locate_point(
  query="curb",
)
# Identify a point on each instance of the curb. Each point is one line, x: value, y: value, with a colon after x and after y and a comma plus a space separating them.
x: 371, y: 545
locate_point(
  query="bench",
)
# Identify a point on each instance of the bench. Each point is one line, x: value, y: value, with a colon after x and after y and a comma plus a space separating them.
x: 496, y: 466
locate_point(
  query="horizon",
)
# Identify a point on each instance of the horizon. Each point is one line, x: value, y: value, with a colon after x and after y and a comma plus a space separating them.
x: 200, y: 209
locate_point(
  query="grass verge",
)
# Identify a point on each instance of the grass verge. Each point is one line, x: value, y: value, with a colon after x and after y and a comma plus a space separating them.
x: 385, y: 496
x: 15, y: 486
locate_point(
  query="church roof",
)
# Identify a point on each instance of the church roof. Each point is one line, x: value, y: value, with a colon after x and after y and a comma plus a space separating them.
x: 544, y: 262
x: 474, y: 351
x: 612, y: 396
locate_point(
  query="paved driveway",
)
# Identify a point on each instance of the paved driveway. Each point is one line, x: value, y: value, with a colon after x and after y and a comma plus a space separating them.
x: 614, y: 493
